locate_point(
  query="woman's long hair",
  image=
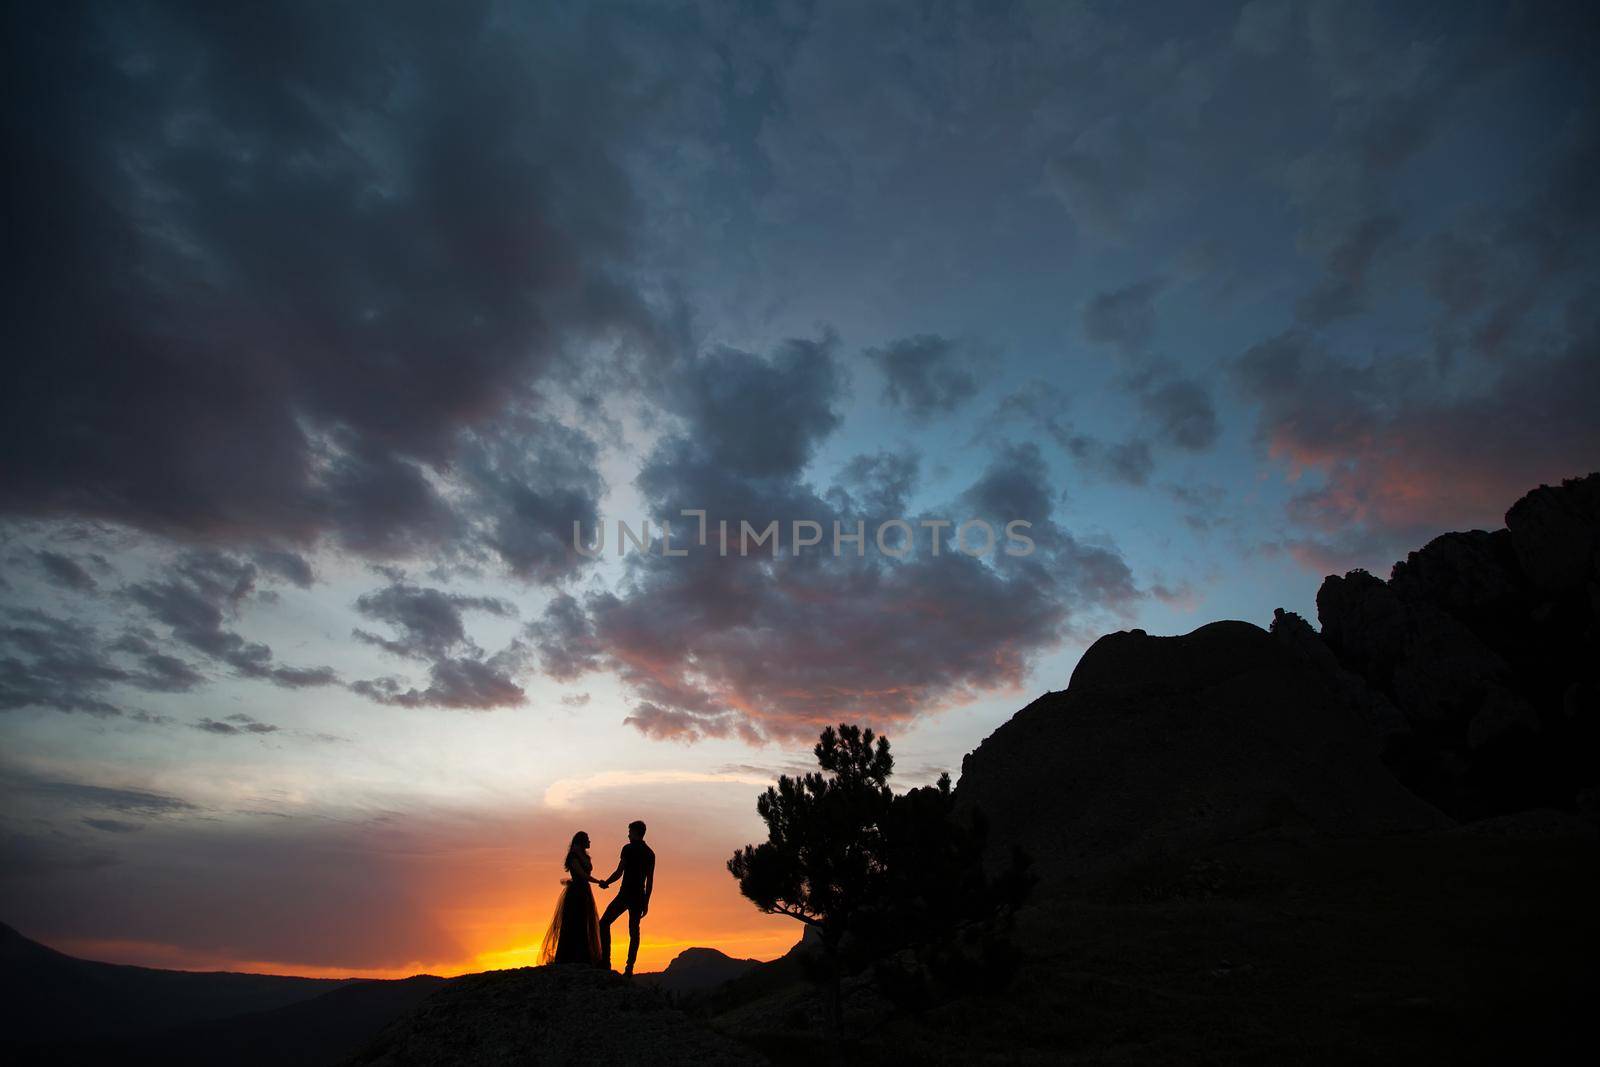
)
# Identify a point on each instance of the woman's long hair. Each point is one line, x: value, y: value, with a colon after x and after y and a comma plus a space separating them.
x: 580, y: 843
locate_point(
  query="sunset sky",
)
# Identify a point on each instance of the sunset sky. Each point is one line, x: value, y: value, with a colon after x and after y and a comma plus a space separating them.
x: 325, y: 322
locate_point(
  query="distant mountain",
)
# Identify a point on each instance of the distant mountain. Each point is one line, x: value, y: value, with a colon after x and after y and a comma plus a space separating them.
x: 49, y: 996
x: 696, y: 969
x: 58, y: 1009
x: 327, y: 1029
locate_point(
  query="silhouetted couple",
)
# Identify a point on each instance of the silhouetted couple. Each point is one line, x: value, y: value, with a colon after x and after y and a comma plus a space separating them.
x: 575, y: 935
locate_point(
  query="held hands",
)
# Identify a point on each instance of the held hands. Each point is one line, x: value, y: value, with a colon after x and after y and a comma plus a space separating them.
x: 603, y: 883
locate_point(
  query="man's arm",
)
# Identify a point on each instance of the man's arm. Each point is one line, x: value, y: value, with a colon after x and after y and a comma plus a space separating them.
x: 622, y: 861
x: 649, y: 884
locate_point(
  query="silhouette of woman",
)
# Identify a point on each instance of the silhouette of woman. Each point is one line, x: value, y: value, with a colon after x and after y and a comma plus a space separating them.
x: 574, y: 934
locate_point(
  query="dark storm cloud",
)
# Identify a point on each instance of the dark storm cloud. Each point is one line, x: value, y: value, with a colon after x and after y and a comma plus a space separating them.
x: 565, y: 639
x: 750, y: 647
x: 1409, y: 439
x: 278, y: 260
x: 671, y: 724
x: 429, y: 621
x: 52, y: 662
x: 25, y: 855
x: 1491, y: 272
x: 431, y: 628
x: 926, y: 374
x: 456, y: 682
x: 59, y: 794
x: 1124, y: 317
x: 1392, y: 75
x: 880, y: 483
x: 301, y: 677
x: 1041, y: 408
x: 1103, y: 176
x: 1442, y: 418
x: 234, y: 725
x: 534, y: 478
x: 1342, y: 291
x: 1204, y: 506
x: 198, y: 595
x: 290, y: 566
x: 1016, y: 484
x: 1401, y: 458
x: 162, y: 672
x: 113, y: 826
x: 67, y: 571
x: 1128, y: 461
x: 1184, y: 414
x: 761, y: 417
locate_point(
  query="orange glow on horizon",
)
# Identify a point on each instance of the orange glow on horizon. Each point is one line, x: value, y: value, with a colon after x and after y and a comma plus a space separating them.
x: 460, y: 896
x: 767, y: 942
x: 654, y: 954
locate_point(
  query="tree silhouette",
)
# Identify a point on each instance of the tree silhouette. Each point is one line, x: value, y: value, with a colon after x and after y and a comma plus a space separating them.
x: 860, y: 865
x: 823, y: 856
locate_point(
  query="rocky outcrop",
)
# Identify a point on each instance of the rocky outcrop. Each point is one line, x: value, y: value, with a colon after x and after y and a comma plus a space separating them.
x: 697, y: 969
x: 1302, y: 642
x: 1164, y: 744
x: 1488, y: 644
x: 561, y: 1014
x: 1555, y: 535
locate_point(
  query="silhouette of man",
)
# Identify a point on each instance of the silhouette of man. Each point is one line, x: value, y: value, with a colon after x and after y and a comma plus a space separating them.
x: 637, y: 867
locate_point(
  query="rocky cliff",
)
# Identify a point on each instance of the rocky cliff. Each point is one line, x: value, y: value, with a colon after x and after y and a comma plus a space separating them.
x: 1162, y: 744
x: 1487, y: 644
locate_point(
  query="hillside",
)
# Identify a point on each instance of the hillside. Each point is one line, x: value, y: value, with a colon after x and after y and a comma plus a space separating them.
x: 50, y: 996
x: 549, y: 1015
x: 1434, y: 947
x: 326, y: 1029
x: 1165, y: 744
x: 59, y: 1009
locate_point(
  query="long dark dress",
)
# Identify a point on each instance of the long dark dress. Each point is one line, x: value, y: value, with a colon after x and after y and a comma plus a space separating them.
x: 574, y: 934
